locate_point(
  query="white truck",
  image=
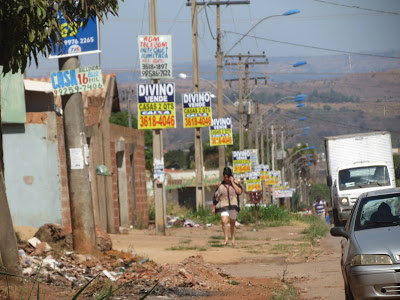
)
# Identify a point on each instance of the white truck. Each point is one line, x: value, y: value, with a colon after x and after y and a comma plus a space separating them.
x: 357, y: 163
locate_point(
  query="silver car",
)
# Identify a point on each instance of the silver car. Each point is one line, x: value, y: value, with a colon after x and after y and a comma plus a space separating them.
x: 371, y: 246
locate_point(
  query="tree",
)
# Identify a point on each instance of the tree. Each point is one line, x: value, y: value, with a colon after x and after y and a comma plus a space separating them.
x: 175, y: 159
x: 29, y: 29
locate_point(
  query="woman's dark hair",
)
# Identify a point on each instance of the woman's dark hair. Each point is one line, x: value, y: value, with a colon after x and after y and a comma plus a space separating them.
x: 227, y: 171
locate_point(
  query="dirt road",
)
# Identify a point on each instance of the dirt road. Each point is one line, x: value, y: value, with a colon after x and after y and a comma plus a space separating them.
x: 278, y: 252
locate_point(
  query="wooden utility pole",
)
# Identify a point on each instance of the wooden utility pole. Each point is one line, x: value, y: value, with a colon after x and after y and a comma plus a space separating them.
x: 158, y: 155
x: 219, y: 54
x: 198, y: 143
x: 82, y: 215
x: 246, y: 92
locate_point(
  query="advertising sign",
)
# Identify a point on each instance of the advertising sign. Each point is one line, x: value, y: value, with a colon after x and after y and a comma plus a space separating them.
x: 283, y: 193
x: 76, y: 80
x: 253, y: 157
x: 221, y: 132
x: 196, y: 110
x: 76, y: 39
x: 156, y: 106
x: 263, y: 172
x: 253, y: 182
x: 155, y: 54
x: 158, y: 171
x: 241, y: 161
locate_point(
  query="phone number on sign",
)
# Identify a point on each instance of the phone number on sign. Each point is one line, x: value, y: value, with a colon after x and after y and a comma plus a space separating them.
x: 147, y: 122
x: 78, y: 89
x: 241, y: 169
x: 202, y: 121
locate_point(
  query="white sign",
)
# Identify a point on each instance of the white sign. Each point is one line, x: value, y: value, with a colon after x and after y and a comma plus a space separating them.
x: 283, y: 193
x: 76, y: 155
x: 158, y: 171
x: 76, y: 80
x: 155, y: 54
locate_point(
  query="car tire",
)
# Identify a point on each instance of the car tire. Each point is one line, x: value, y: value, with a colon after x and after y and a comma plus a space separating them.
x: 348, y: 294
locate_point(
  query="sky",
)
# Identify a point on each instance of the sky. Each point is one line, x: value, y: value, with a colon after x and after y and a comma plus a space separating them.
x: 369, y: 26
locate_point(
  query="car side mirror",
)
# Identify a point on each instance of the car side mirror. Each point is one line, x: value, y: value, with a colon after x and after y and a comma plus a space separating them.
x: 329, y: 180
x: 339, y: 231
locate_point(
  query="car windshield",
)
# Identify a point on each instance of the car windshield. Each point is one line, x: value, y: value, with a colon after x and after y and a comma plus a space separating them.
x: 356, y: 178
x: 378, y: 211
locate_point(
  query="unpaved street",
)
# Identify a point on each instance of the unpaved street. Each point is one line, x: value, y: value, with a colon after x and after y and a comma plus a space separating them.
x: 273, y: 252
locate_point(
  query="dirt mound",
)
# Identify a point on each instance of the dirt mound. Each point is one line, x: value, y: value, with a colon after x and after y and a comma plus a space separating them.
x: 192, y: 272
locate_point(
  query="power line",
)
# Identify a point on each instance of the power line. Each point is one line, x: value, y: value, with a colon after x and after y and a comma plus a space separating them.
x: 312, y: 47
x: 208, y: 22
x: 358, y: 7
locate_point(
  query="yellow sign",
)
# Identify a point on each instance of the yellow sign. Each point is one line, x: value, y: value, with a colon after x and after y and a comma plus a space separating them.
x: 221, y: 132
x: 253, y: 182
x: 241, y: 161
x: 196, y: 110
x: 156, y: 106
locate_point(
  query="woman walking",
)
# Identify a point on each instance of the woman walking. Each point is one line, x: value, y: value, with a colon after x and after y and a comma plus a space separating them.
x: 226, y: 202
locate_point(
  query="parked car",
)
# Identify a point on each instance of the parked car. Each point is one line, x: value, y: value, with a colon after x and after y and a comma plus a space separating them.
x: 371, y: 246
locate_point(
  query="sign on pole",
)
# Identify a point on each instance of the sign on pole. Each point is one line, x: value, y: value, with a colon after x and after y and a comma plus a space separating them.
x: 155, y: 54
x: 76, y: 80
x: 253, y: 182
x: 156, y: 106
x: 76, y: 39
x: 196, y: 110
x: 241, y: 161
x: 158, y: 170
x: 221, y: 132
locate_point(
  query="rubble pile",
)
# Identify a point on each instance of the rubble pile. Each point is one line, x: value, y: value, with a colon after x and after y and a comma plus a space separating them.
x: 67, y: 270
x: 192, y: 272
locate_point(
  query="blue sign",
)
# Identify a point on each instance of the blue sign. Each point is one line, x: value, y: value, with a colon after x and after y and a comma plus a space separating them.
x: 76, y: 39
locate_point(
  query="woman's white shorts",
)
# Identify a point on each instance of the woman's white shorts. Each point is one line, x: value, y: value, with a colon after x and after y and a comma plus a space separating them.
x: 232, y: 214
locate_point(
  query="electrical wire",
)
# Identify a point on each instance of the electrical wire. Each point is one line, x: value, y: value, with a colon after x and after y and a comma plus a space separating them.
x: 176, y: 17
x: 313, y: 47
x: 209, y: 26
x: 358, y: 7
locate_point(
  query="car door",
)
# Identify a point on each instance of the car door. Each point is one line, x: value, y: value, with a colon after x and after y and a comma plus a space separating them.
x: 346, y: 243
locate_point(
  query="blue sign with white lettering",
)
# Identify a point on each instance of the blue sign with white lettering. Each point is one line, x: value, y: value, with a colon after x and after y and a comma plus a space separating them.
x: 76, y: 39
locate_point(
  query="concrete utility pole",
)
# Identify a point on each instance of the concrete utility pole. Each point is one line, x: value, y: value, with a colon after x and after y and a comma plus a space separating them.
x: 198, y: 143
x: 273, y: 160
x: 82, y: 215
x: 220, y: 95
x: 247, y: 93
x: 158, y: 155
x: 283, y: 163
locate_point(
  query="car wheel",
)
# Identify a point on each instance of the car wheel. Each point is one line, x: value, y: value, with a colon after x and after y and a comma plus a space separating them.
x: 348, y: 294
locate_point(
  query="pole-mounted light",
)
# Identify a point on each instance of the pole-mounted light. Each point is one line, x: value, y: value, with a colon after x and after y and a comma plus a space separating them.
x: 300, y: 105
x: 300, y: 63
x: 303, y: 118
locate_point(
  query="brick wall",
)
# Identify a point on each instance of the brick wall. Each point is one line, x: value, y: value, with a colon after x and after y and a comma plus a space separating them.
x: 135, y: 137
x: 114, y: 170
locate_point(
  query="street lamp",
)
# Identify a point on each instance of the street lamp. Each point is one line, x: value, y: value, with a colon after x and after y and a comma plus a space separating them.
x: 287, y: 13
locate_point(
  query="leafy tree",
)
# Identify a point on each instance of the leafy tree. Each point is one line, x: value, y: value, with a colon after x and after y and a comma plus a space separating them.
x: 175, y: 159
x: 28, y: 27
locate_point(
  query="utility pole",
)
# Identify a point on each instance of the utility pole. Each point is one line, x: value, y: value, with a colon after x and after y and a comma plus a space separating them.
x: 283, y: 162
x: 246, y: 92
x: 198, y: 143
x: 158, y: 155
x: 257, y: 131
x: 218, y: 3
x: 273, y: 160
x: 82, y: 215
